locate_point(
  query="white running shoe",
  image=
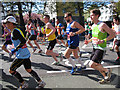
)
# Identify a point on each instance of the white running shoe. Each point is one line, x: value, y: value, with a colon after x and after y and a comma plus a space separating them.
x: 55, y: 63
x: 41, y: 85
x: 23, y: 85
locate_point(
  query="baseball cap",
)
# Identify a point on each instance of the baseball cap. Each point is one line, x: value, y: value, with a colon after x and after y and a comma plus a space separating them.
x: 10, y: 19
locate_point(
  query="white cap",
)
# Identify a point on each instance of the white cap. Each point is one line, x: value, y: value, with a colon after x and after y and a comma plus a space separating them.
x: 10, y: 19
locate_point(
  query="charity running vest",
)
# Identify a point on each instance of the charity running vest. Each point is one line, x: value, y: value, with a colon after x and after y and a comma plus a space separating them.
x: 98, y: 35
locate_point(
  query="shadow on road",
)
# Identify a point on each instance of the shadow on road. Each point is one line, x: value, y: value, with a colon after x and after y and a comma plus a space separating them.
x: 43, y: 66
x: 115, y: 79
x: 14, y: 84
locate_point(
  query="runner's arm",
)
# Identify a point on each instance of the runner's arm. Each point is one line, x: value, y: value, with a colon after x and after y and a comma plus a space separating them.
x: 80, y: 27
x: 110, y: 31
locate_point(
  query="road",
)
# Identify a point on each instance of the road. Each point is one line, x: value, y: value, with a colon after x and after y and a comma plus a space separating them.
x: 59, y: 76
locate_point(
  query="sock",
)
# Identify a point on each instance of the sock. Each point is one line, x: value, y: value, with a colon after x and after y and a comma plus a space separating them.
x: 35, y: 75
x: 80, y: 62
x: 71, y: 61
x: 18, y: 76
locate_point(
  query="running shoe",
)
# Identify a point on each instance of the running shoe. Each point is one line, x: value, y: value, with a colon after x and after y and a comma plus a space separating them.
x: 104, y: 81
x: 61, y: 56
x: 117, y: 62
x: 40, y: 51
x: 117, y: 58
x: 34, y: 49
x: 41, y: 85
x: 81, y: 68
x: 74, y: 69
x: 56, y: 63
x: 111, y: 49
x: 23, y: 85
x: 108, y: 74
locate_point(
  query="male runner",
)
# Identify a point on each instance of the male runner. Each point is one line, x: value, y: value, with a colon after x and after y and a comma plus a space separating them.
x: 116, y: 21
x: 99, y: 39
x: 33, y: 35
x: 59, y: 28
x: 73, y: 30
x: 22, y: 54
x: 50, y: 34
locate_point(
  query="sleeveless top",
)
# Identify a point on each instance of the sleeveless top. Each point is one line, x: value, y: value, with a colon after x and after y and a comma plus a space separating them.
x: 32, y: 32
x: 117, y: 29
x: 98, y: 35
x: 51, y: 37
x: 72, y: 40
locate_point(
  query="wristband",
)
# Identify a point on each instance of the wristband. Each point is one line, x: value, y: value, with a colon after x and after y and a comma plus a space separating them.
x: 104, y: 40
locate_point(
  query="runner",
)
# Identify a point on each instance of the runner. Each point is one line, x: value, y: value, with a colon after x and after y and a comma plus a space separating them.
x: 60, y: 28
x: 73, y: 30
x: 116, y: 21
x: 50, y: 33
x: 40, y: 34
x: 22, y: 54
x: 33, y: 35
x: 112, y: 49
x: 99, y: 40
x: 7, y: 36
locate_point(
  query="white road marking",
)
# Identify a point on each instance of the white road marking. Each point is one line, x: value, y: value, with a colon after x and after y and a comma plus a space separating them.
x: 63, y: 71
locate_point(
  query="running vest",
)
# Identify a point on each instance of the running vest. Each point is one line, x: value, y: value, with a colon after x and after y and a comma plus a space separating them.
x: 98, y: 35
x: 51, y: 37
x: 23, y: 52
x: 32, y: 32
x: 117, y: 29
x: 73, y: 40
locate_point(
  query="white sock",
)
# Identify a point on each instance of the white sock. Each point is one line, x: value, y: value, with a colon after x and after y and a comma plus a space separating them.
x: 71, y: 61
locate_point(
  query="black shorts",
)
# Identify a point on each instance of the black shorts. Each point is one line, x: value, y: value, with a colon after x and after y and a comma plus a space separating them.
x: 118, y: 42
x: 97, y: 55
x: 32, y: 37
x: 60, y: 37
x: 7, y: 42
x: 18, y: 62
x: 51, y: 44
x: 72, y: 47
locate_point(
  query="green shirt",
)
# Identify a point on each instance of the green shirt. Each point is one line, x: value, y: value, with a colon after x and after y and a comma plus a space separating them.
x: 98, y: 35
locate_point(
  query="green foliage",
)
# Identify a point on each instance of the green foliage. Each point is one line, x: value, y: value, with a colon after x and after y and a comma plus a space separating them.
x: 63, y: 7
x: 117, y: 8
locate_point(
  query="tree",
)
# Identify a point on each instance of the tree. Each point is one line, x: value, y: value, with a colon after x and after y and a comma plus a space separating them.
x: 76, y: 8
x: 88, y: 6
x: 116, y: 8
x: 20, y: 8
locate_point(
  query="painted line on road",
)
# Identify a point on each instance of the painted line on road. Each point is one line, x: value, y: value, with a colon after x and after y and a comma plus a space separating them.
x: 63, y: 71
